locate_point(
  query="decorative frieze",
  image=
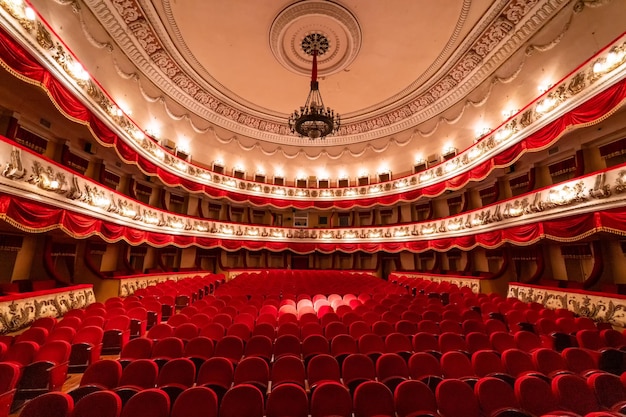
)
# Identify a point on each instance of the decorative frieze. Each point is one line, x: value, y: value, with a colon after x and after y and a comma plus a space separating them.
x: 130, y: 284
x: 598, y: 307
x: 18, y: 311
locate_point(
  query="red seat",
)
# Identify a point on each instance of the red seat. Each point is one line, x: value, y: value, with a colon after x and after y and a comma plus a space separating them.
x: 230, y: 347
x: 287, y: 400
x: 573, y: 393
x: 214, y: 331
x: 331, y: 398
x: 116, y: 334
x: 356, y: 369
x: 287, y: 344
x: 253, y: 370
x: 140, y: 348
x: 103, y: 373
x: 199, y: 349
x: 165, y: 349
x: 495, y: 395
x: 517, y: 362
x: 455, y: 398
x: 548, y: 361
x: 216, y: 373
x: 186, y: 331
x: 180, y: 372
x: 86, y: 348
x: 477, y: 341
x: 391, y: 370
x: 451, y: 342
x: 38, y: 335
x: 422, y: 364
x: 242, y: 400
x: 487, y: 362
x: 425, y: 342
x: 535, y: 395
x: 580, y: 360
x: 140, y: 373
x: 501, y: 341
x: 322, y: 368
x: 399, y: 343
x: 47, y: 372
x: 288, y: 369
x: 455, y: 364
x: 195, y: 402
x: 372, y: 345
x: 314, y: 345
x: 147, y: 403
x: 9, y: 376
x: 51, y: 404
x: 414, y: 398
x: 609, y: 390
x: 98, y: 404
x: 373, y: 399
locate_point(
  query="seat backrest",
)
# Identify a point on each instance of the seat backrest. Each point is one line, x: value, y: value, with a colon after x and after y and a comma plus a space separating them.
x: 357, y: 366
x: 105, y: 373
x: 371, y: 343
x: 195, y: 402
x: 139, y: 348
x: 179, y: 371
x: 147, y: 403
x: 455, y: 398
x: 425, y: 342
x: 412, y: 396
x: 199, y: 347
x: 89, y: 334
x: 517, y: 362
x: 391, y: 365
x: 288, y: 369
x: 170, y: 348
x: 608, y: 388
x: 287, y: 400
x: 331, y: 398
x: 216, y: 371
x: 494, y: 394
x: 373, y: 398
x: 579, y: 360
x: 98, y: 404
x: 242, y: 400
x: 455, y: 364
x: 573, y: 393
x: 287, y: 344
x: 56, y: 351
x: 422, y: 364
x: 535, y: 395
x: 230, y: 347
x: 252, y: 370
x: 322, y: 367
x: 121, y: 322
x: 486, y: 362
x: 140, y: 373
x: 548, y: 361
x: 50, y: 404
x: 9, y: 375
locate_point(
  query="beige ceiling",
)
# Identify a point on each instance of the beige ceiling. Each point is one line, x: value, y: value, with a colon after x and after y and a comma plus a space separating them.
x: 421, y: 74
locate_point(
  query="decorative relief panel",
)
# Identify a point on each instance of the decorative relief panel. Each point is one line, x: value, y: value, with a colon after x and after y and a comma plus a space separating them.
x: 18, y: 313
x: 128, y: 285
x: 472, y: 283
x: 602, y: 308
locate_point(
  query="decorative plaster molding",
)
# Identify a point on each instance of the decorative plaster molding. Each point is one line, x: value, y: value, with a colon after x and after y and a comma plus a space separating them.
x: 128, y: 285
x: 515, y: 24
x: 19, y: 311
x: 600, y: 307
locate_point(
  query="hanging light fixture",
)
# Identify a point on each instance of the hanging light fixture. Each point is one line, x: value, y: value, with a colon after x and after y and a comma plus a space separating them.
x: 313, y: 120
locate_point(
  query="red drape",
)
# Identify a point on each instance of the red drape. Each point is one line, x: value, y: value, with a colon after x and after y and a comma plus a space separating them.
x: 34, y: 216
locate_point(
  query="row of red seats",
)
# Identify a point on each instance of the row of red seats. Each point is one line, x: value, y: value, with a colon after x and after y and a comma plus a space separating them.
x: 566, y: 395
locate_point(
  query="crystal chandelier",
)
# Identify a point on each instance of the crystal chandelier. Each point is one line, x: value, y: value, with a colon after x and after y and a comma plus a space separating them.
x: 313, y: 120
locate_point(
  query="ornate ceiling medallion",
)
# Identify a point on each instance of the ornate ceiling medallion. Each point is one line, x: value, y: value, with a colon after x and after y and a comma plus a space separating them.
x: 295, y: 22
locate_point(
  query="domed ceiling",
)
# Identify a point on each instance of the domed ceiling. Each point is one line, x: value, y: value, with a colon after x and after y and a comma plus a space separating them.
x: 403, y: 74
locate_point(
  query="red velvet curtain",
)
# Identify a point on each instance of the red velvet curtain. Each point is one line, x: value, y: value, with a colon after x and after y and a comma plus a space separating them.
x: 34, y: 216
